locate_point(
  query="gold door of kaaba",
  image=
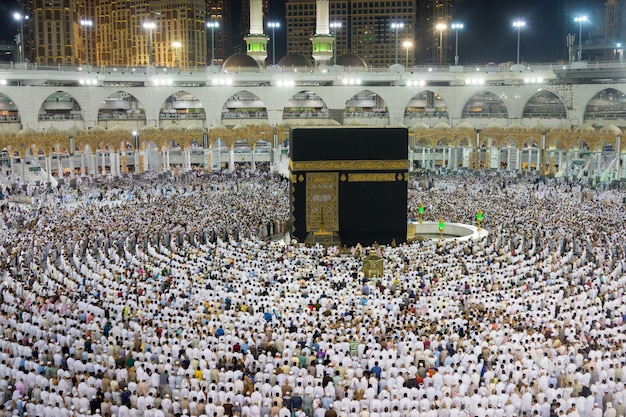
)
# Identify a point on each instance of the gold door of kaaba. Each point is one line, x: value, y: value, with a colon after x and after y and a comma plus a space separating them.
x: 322, y: 201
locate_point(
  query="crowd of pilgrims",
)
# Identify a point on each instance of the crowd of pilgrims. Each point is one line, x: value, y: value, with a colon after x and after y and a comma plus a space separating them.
x: 180, y: 297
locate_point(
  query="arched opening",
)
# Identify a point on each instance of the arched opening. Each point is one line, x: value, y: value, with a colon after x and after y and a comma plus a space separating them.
x: 608, y: 106
x: 60, y: 162
x: 488, y: 153
x: 556, y: 155
x: 606, y: 159
x: 121, y: 106
x: 8, y: 110
x: 545, y: 105
x: 465, y: 153
x: 581, y: 159
x: 181, y: 106
x: 445, y: 156
x: 421, y: 154
x: 262, y: 155
x: 366, y: 107
x: 426, y: 104
x: 127, y: 157
x: 104, y: 159
x: 59, y: 106
x: 197, y: 156
x: 5, y: 164
x: 530, y: 156
x: 583, y: 149
x: 242, y: 155
x: 78, y: 160
x: 485, y: 104
x: 175, y: 159
x: 305, y: 105
x: 509, y: 155
x: 242, y: 106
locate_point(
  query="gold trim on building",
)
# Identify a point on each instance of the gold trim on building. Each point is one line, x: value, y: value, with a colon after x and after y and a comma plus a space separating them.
x: 372, y: 177
x: 358, y: 165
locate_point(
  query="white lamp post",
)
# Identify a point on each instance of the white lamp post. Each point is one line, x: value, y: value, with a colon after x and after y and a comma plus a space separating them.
x: 335, y: 26
x: 273, y: 26
x: 580, y: 20
x: 20, y: 18
x: 212, y: 25
x: 518, y: 24
x: 441, y: 27
x: 456, y: 27
x: 149, y: 26
x: 407, y: 45
x: 86, y: 23
x: 397, y: 26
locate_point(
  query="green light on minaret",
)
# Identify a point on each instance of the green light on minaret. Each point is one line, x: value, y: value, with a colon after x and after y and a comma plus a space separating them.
x: 322, y: 46
x: 256, y: 47
x: 322, y: 43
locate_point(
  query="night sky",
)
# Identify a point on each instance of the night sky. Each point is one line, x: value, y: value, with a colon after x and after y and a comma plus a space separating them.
x: 8, y: 26
x: 488, y: 35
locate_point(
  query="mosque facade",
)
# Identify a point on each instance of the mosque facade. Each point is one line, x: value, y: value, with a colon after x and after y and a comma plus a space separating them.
x: 561, y: 120
x: 114, y: 121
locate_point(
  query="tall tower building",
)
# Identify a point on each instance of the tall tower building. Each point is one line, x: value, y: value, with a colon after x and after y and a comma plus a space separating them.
x: 300, y: 25
x: 52, y: 32
x: 182, y: 29
x: 220, y: 11
x: 179, y: 38
x: 365, y: 28
x: 372, y: 35
x: 612, y: 17
x: 116, y: 37
x: 119, y: 35
x: 434, y: 44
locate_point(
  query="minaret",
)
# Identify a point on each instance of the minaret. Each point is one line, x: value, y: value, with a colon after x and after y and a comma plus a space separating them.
x: 322, y: 40
x: 256, y: 40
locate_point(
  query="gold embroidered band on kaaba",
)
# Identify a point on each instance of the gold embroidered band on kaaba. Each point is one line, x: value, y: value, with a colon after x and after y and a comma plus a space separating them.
x: 373, y: 177
x: 363, y: 165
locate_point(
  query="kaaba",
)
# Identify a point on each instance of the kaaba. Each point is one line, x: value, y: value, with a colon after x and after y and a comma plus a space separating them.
x: 350, y: 182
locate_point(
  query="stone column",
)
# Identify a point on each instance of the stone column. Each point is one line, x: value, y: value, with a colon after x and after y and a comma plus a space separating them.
x: 93, y: 163
x: 618, y: 152
x: 71, y: 164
